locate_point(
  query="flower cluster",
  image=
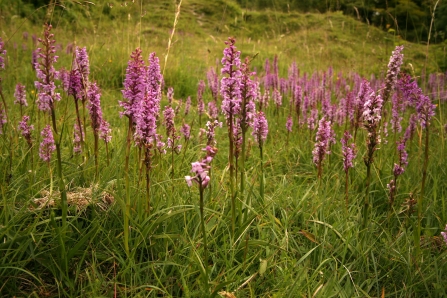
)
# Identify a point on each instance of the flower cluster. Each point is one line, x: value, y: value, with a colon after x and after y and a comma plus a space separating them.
x: 260, y: 128
x: 230, y: 85
x: 394, y: 65
x: 348, y: 151
x: 148, y: 108
x: 47, y: 145
x: 26, y: 129
x: 46, y: 73
x: 201, y: 169
x: 78, y: 136
x: 20, y: 95
x: 289, y: 124
x: 210, y: 131
x: 324, y: 138
x: 2, y: 53
x: 135, y: 85
x: 186, y: 131
x: 444, y: 234
x: 213, y: 83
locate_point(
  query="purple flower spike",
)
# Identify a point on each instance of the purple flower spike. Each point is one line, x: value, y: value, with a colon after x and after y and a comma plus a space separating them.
x: 201, y: 169
x: 83, y: 65
x: 348, y: 151
x: 394, y: 65
x: 170, y: 94
x: 149, y: 107
x: 323, y: 140
x: 260, y: 128
x: 2, y: 53
x: 135, y: 85
x: 210, y: 131
x: 105, y: 132
x: 289, y: 124
x: 46, y: 73
x: 213, y: 83
x: 230, y: 84
x: 78, y: 135
x: 186, y: 131
x: 169, y: 116
x: 26, y: 129
x: 94, y: 106
x: 187, y: 105
x: 20, y: 95
x: 47, y: 145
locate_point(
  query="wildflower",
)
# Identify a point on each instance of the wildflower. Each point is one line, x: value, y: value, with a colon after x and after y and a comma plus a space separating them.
x: 348, y: 151
x: 2, y: 53
x: 20, y: 95
x: 201, y: 169
x: 78, y: 136
x: 94, y: 106
x: 394, y: 65
x: 260, y: 128
x: 135, y: 85
x: 83, y: 65
x: 324, y: 138
x: 170, y: 94
x: 105, y: 133
x: 230, y: 85
x: 26, y: 129
x: 213, y: 83
x: 47, y: 145
x: 289, y: 124
x: 210, y: 131
x: 187, y: 105
x: 213, y: 110
x: 46, y: 73
x: 169, y: 116
x: 146, y: 115
x: 186, y: 131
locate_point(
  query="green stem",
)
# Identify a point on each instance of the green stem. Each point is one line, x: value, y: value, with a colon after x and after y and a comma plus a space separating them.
x: 126, y: 177
x: 205, y: 246
x: 231, y: 165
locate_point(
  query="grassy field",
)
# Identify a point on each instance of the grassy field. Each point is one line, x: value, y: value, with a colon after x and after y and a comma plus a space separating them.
x: 269, y: 226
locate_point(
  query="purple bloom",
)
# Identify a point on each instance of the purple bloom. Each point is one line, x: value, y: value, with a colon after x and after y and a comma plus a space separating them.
x: 146, y: 116
x: 277, y: 98
x: 105, y: 132
x: 289, y: 124
x: 83, y: 65
x: 394, y: 65
x: 46, y: 73
x: 230, y: 85
x: 78, y: 136
x: 200, y: 91
x: 47, y: 145
x: 186, y: 131
x: 75, y: 85
x: 20, y: 95
x: 64, y: 77
x: 213, y: 111
x: 169, y: 116
x: 444, y: 234
x: 396, y: 118
x: 324, y: 138
x: 403, y: 158
x: 26, y: 129
x: 94, y: 106
x: 201, y: 168
x: 135, y: 85
x: 260, y: 128
x: 210, y: 131
x: 2, y: 53
x: 170, y: 94
x: 213, y: 83
x: 411, y: 127
x: 187, y: 105
x: 348, y: 151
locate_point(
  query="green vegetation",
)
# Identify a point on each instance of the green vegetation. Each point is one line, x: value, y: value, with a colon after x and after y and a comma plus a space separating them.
x: 298, y: 238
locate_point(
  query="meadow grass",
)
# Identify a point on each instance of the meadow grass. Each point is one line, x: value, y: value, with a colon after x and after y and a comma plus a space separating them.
x: 298, y: 239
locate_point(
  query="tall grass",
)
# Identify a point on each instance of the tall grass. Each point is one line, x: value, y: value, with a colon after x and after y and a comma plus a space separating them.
x: 298, y: 236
